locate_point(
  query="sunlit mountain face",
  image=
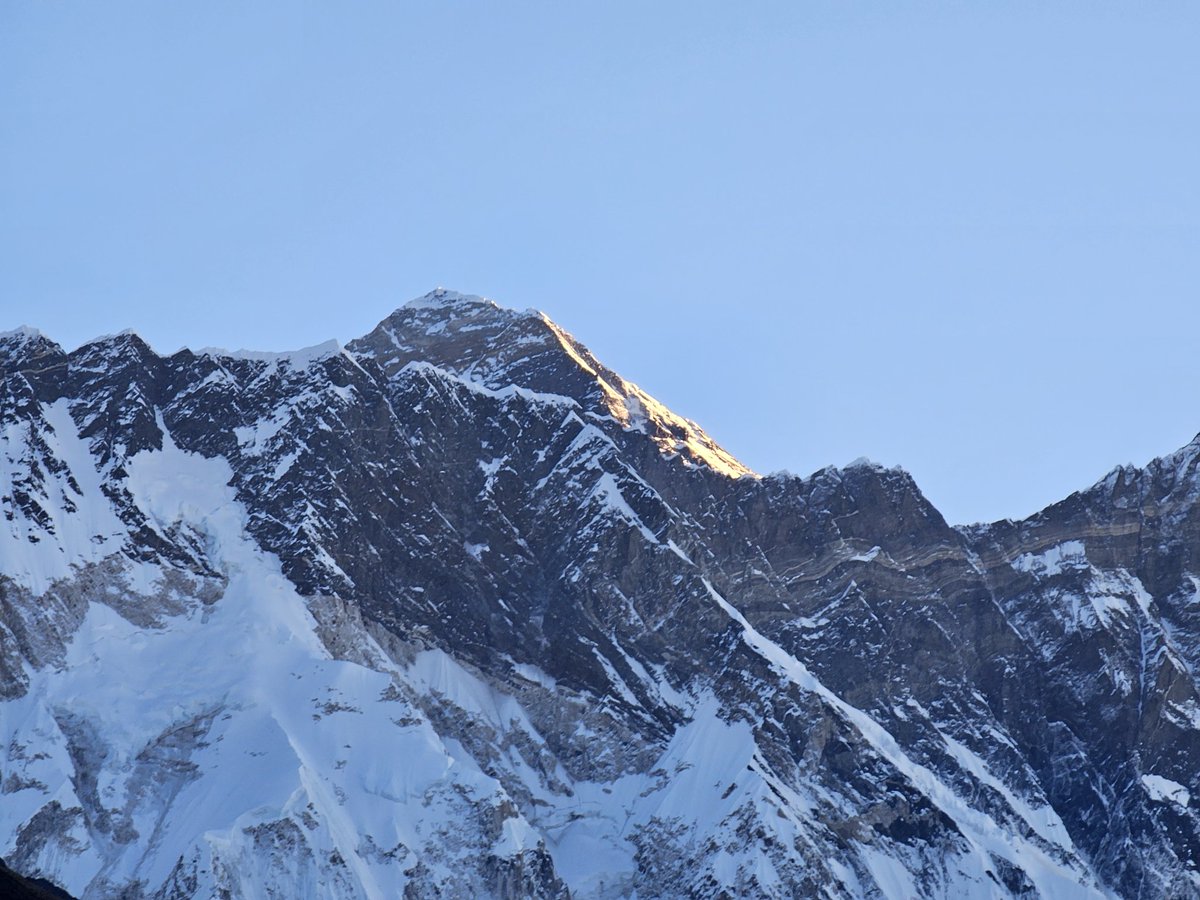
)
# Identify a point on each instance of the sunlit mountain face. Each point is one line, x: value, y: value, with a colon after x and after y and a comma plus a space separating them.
x: 454, y: 611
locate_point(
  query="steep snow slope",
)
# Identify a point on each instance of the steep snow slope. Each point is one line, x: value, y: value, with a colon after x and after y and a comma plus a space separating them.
x: 456, y: 611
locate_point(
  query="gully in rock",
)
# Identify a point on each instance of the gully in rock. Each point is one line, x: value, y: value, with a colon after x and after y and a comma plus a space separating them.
x: 455, y: 610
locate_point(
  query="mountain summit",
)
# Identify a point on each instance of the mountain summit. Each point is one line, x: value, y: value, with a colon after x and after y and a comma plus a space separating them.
x: 499, y: 348
x: 454, y: 610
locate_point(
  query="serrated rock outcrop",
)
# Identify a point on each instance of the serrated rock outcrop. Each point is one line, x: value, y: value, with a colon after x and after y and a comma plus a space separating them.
x: 456, y: 611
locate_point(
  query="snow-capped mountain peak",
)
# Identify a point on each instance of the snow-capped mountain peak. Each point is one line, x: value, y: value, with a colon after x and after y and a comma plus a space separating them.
x: 456, y: 610
x: 442, y: 298
x: 482, y: 342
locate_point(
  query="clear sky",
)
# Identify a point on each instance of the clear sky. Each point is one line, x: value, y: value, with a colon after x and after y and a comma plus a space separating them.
x: 959, y: 237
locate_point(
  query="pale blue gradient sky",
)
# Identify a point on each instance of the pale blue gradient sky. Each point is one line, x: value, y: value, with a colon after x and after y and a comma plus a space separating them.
x: 958, y: 237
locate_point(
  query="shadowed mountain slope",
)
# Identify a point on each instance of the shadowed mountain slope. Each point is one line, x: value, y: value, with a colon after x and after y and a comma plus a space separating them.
x: 455, y: 610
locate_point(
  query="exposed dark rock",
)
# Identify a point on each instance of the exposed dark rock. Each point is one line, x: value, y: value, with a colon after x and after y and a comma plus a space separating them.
x: 602, y: 626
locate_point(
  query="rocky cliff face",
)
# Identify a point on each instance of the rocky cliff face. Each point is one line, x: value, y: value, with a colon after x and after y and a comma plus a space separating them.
x: 456, y: 611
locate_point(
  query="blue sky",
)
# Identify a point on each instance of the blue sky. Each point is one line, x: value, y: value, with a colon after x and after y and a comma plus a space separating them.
x: 957, y: 237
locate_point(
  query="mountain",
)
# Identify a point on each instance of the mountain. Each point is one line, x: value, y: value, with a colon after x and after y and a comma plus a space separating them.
x: 14, y: 887
x: 456, y: 611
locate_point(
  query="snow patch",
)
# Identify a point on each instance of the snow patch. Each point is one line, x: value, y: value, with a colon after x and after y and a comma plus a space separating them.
x: 609, y: 493
x: 1164, y: 790
x: 1054, y: 561
x: 81, y: 525
x: 1050, y: 876
x: 275, y: 721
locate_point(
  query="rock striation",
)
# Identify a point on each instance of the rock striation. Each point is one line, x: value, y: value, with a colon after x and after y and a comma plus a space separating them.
x: 456, y: 611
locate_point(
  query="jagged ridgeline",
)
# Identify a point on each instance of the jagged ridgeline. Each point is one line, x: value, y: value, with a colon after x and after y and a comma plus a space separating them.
x: 456, y: 611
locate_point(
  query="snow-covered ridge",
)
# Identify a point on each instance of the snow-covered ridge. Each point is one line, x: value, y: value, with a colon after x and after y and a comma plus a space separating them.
x: 297, y: 358
x: 440, y: 298
x: 864, y: 462
x: 476, y: 387
x: 117, y: 337
x: 266, y: 725
x: 444, y: 318
x: 21, y: 331
x: 461, y: 610
x: 638, y: 411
